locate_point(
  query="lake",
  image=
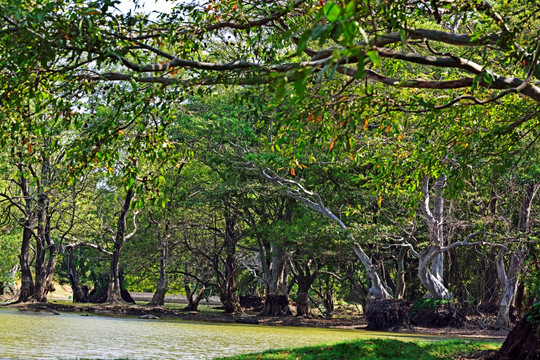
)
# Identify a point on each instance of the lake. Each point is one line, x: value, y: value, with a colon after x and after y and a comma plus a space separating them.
x: 33, y: 335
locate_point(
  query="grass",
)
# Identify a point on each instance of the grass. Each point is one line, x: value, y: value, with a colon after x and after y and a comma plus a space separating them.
x: 374, y: 349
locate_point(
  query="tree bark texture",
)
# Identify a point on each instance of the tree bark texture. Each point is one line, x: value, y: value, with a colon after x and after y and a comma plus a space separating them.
x: 431, y: 260
x: 162, y: 287
x: 433, y: 284
x: 509, y: 280
x: 304, y: 279
x: 194, y: 296
x: 277, y: 295
x: 27, y: 281
x: 114, y: 290
x: 229, y: 289
x: 80, y: 293
x: 401, y: 284
x: 25, y: 259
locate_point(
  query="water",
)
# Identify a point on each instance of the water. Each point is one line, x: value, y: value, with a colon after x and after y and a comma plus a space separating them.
x: 30, y: 335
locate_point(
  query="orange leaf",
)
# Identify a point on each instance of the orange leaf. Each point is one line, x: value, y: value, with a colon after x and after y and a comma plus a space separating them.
x: 365, y: 124
x: 332, y: 144
x: 388, y: 129
x: 352, y: 157
x: 293, y: 173
x: 30, y: 148
x: 235, y: 7
x: 399, y: 137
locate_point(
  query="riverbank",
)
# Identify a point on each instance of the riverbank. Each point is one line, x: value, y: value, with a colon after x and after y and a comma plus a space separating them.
x: 474, y: 329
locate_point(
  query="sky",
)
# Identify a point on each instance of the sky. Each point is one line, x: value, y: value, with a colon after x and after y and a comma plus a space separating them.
x: 147, y: 5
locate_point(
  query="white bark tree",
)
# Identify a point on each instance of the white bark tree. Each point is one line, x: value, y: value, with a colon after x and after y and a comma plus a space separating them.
x: 432, y: 278
x: 509, y: 279
x: 314, y: 201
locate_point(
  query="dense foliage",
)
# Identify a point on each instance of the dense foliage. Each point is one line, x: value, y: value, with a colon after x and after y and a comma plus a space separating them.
x: 293, y: 150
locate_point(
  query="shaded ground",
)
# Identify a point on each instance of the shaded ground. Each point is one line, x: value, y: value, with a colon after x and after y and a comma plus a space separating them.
x: 172, y: 298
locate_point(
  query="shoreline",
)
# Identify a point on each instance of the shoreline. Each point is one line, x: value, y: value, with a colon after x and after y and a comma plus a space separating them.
x: 470, y: 331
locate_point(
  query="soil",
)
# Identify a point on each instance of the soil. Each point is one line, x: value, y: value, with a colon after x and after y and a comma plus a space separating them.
x: 386, y: 314
x: 475, y: 327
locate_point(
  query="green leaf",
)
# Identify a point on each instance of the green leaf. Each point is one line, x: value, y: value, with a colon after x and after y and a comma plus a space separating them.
x: 360, y: 67
x: 403, y: 35
x: 374, y: 57
x: 332, y: 11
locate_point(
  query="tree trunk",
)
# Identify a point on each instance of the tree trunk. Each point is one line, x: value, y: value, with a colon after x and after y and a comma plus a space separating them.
x: 526, y: 207
x: 230, y: 301
x: 433, y: 284
x: 328, y: 298
x: 27, y: 281
x: 193, y: 301
x: 302, y: 302
x: 490, y: 288
x: 80, y: 293
x: 277, y: 297
x: 431, y: 260
x: 114, y: 289
x: 304, y: 279
x: 522, y: 342
x: 229, y: 289
x: 509, y: 283
x: 401, y: 285
x: 25, y: 260
x: 377, y: 288
x: 43, y: 281
x: 159, y: 296
x: 8, y: 286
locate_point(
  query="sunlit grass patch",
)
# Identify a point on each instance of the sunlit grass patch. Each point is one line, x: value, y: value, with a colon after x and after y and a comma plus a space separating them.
x: 374, y: 349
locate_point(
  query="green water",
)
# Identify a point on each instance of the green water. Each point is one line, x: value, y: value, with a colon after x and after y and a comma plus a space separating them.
x: 30, y: 335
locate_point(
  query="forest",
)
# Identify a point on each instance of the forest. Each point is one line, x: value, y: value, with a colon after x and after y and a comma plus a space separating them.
x: 369, y: 152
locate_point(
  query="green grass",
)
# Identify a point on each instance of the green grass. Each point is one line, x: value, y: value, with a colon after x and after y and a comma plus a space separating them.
x: 374, y: 349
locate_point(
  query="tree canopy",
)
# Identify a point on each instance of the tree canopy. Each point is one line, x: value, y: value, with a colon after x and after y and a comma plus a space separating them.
x: 277, y: 147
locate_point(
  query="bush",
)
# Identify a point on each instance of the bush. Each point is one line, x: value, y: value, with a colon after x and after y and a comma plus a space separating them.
x: 426, y: 303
